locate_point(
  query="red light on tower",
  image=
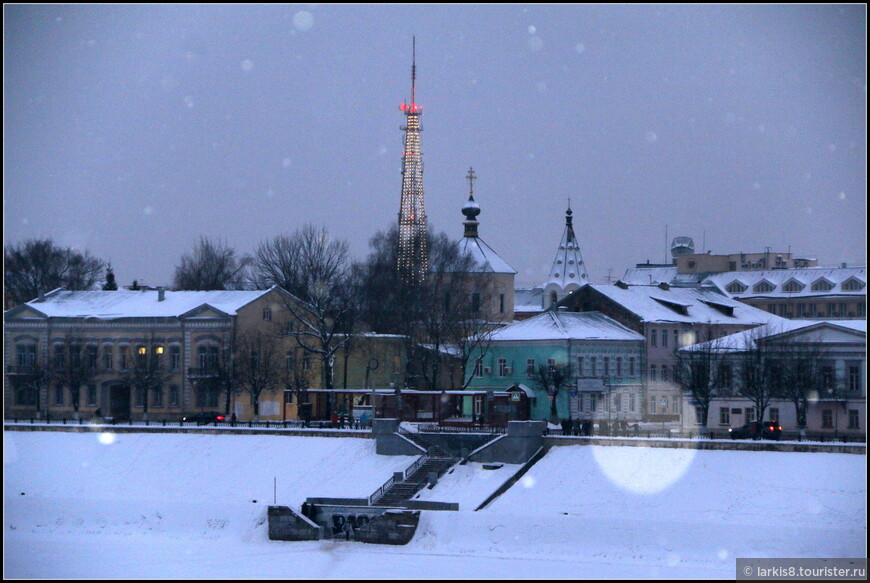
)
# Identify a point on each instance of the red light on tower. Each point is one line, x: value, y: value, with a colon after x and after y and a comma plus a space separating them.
x: 403, y: 106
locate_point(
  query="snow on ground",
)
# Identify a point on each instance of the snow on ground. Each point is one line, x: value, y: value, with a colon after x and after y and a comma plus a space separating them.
x: 469, y: 485
x: 100, y: 505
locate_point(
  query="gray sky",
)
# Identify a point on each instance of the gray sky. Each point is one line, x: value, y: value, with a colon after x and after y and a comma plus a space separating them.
x: 131, y: 130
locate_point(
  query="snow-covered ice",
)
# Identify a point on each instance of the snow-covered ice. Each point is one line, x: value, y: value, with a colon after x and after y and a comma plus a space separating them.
x: 183, y: 506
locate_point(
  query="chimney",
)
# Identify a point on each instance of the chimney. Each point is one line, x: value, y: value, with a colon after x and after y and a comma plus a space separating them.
x: 41, y: 296
x: 161, y: 293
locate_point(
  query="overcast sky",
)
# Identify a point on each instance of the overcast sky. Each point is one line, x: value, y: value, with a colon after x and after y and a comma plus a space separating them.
x: 131, y: 130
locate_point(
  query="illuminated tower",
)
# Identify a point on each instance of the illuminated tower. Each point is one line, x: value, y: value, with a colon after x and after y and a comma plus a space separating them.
x: 413, y: 253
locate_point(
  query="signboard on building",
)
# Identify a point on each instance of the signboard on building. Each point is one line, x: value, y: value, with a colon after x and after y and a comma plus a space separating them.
x: 595, y: 385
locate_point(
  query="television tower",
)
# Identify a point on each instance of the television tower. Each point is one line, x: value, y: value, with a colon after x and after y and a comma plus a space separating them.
x: 413, y: 252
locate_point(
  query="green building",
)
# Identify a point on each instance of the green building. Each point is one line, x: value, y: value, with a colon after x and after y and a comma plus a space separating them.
x: 606, y: 361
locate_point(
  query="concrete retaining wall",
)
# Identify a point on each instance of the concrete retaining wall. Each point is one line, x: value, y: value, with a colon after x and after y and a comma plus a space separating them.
x: 287, y: 524
x: 522, y: 440
x: 391, y: 443
x: 740, y: 445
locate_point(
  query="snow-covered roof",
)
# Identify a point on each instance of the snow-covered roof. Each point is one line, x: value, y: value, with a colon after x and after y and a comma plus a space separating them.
x: 488, y: 261
x: 828, y: 281
x: 657, y: 275
x: 110, y: 305
x: 529, y: 299
x: 747, y: 338
x: 678, y: 304
x: 564, y: 325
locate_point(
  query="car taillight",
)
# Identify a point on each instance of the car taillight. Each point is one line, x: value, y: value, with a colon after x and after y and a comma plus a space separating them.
x: 221, y: 418
x: 771, y: 428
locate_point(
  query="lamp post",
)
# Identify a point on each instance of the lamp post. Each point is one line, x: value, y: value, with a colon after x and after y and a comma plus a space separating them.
x: 372, y: 365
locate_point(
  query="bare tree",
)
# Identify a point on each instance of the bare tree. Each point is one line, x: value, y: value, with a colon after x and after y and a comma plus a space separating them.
x: 552, y: 379
x: 39, y: 265
x: 257, y: 363
x: 440, y: 317
x: 760, y: 370
x: 315, y: 270
x: 801, y: 373
x: 74, y: 364
x: 148, y: 373
x: 296, y: 379
x: 31, y: 377
x: 213, y: 265
x: 704, y: 372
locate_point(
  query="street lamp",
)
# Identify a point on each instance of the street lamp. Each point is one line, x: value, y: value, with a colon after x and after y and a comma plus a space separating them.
x: 372, y: 365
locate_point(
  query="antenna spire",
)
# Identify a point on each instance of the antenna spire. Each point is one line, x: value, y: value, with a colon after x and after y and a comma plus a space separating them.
x: 413, y: 69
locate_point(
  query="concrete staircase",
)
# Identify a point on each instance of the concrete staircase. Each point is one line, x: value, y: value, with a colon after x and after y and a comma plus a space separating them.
x: 434, y: 464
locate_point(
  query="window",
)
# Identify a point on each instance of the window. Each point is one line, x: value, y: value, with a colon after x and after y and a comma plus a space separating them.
x: 397, y: 365
x: 853, y: 419
x: 652, y: 404
x: 502, y: 367
x: 125, y: 357
x: 140, y: 397
x: 827, y: 419
x: 631, y: 402
x: 726, y: 376
x: 750, y: 414
x: 827, y: 374
x: 267, y: 314
x: 26, y: 355
x: 792, y: 286
x: 92, y: 395
x: 735, y: 287
x: 501, y: 303
x: 812, y: 308
x: 699, y: 416
x: 288, y: 397
x: 594, y: 366
x: 854, y: 378
x: 664, y: 337
x: 290, y: 361
x: 617, y: 400
x: 58, y: 395
x: 174, y: 358
x: 58, y: 357
x: 619, y: 366
x: 306, y: 361
x: 478, y: 368
x: 593, y: 403
x: 475, y: 302
x: 773, y: 414
x: 530, y: 366
x: 653, y: 337
x: 675, y: 406
x: 173, y: 395
x: 607, y: 366
x: 108, y: 356
x: 852, y: 284
x: 255, y: 359
x: 631, y: 366
x: 207, y: 356
x: 664, y: 404
x: 141, y: 355
x: 91, y: 356
x: 24, y: 394
x: 763, y: 286
x: 580, y: 402
x: 157, y: 397
x: 832, y: 309
x: 724, y: 416
x: 664, y: 372
x: 652, y: 372
x: 676, y: 338
x: 580, y: 370
x: 822, y: 285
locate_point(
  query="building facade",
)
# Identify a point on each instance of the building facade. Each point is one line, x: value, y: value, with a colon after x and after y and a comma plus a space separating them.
x: 836, y: 395
x: 151, y: 354
x: 668, y: 318
x: 606, y: 360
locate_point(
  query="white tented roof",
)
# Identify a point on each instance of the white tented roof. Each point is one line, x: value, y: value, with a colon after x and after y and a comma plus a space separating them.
x: 691, y: 305
x: 564, y: 325
x: 110, y: 305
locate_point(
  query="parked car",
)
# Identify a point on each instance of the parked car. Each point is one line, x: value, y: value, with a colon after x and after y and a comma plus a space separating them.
x: 204, y: 418
x: 757, y: 430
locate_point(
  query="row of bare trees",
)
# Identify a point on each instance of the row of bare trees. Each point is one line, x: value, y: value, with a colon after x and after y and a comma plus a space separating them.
x: 764, y: 368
